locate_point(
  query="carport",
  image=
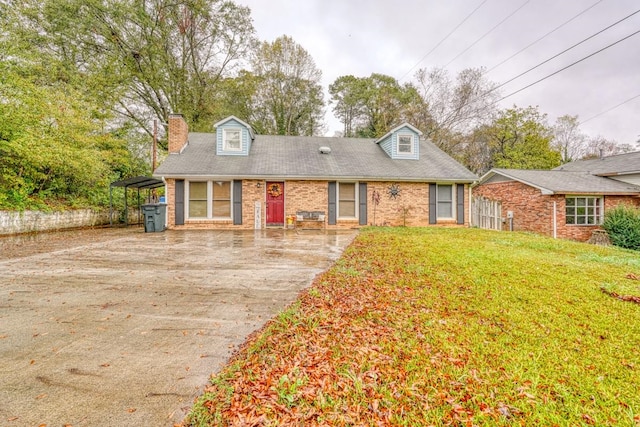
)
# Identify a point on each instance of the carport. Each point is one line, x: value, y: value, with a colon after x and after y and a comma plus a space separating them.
x: 137, y: 182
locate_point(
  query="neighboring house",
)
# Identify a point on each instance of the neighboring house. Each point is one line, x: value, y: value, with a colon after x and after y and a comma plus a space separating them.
x: 235, y: 179
x: 567, y: 202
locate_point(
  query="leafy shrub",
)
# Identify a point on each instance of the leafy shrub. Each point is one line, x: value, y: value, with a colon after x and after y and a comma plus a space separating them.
x: 623, y: 225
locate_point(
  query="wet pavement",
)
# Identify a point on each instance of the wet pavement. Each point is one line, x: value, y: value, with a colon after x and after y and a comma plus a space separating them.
x: 117, y: 327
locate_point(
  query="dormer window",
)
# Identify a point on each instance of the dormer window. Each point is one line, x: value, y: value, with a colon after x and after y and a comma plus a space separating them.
x: 232, y: 139
x: 405, y: 144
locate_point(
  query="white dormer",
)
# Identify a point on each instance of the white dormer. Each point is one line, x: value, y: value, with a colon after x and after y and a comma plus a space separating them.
x: 402, y: 142
x: 233, y: 137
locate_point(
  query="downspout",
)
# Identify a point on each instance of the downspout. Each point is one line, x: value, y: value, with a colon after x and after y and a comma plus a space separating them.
x: 555, y: 220
x: 469, y: 197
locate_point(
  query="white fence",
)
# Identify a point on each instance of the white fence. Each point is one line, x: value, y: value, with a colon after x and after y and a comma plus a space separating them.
x: 486, y: 213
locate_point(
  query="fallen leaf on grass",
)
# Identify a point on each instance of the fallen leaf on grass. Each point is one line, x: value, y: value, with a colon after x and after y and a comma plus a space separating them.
x: 629, y: 298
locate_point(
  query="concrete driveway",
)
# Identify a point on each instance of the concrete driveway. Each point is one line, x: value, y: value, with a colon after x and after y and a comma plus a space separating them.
x: 118, y: 327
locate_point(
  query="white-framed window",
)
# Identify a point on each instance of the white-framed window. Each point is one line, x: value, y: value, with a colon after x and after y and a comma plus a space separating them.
x: 209, y: 200
x: 404, y: 143
x: 347, y: 200
x: 583, y: 210
x: 221, y: 199
x: 232, y: 139
x: 198, y: 199
x: 445, y: 201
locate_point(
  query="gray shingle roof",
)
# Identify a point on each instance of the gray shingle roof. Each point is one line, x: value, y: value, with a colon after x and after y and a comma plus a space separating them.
x: 297, y: 157
x: 565, y: 182
x: 611, y: 165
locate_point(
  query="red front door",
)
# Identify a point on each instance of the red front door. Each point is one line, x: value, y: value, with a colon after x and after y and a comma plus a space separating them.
x: 275, y: 203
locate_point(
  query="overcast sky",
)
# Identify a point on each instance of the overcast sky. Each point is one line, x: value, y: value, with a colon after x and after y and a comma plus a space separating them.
x: 398, y: 37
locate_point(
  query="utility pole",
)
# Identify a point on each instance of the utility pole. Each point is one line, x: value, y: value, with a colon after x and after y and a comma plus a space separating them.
x: 154, y: 156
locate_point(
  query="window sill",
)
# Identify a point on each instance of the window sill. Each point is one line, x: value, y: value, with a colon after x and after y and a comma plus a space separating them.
x: 209, y: 219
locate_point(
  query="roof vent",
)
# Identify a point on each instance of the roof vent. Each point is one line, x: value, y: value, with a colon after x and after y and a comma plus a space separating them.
x: 325, y: 150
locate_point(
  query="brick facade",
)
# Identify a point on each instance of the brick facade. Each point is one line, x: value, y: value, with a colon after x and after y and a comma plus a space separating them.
x: 534, y: 211
x: 411, y: 208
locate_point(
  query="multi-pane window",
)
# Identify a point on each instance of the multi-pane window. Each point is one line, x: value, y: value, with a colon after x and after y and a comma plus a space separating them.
x: 347, y: 199
x: 209, y: 199
x: 583, y: 210
x: 405, y: 144
x: 221, y: 200
x: 197, y: 199
x: 444, y: 200
x: 232, y: 140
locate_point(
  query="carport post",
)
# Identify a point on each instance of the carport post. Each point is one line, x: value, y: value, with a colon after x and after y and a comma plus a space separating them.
x: 139, y: 212
x: 126, y: 209
x: 111, y: 206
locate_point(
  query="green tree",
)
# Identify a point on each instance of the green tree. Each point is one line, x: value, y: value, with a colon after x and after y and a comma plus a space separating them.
x: 519, y: 138
x: 54, y: 150
x: 371, y: 106
x: 288, y: 99
x: 347, y: 95
x: 144, y: 59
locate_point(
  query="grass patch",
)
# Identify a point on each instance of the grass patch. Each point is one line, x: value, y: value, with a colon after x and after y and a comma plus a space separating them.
x: 445, y: 327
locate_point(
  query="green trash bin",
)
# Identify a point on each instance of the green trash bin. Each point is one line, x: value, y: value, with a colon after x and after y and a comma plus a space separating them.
x: 154, y: 217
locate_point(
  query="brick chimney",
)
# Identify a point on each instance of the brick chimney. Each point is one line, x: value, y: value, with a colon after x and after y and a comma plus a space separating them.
x: 178, y: 133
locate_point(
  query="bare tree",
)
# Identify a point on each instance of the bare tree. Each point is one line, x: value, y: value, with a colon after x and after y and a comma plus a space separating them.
x: 568, y: 139
x: 455, y: 106
x: 599, y: 146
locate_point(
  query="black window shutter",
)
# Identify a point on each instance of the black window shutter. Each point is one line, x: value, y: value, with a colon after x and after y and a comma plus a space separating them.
x: 237, y: 202
x: 179, y: 202
x: 433, y: 209
x: 332, y: 203
x: 460, y: 203
x: 362, y: 202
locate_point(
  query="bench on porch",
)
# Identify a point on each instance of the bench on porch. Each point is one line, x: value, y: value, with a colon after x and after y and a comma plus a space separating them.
x: 308, y: 218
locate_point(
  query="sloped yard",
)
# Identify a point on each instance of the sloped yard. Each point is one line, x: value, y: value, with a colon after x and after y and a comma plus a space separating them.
x: 446, y: 327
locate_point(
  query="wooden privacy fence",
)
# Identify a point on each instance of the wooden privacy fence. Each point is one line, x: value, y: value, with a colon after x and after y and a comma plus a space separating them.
x: 486, y: 213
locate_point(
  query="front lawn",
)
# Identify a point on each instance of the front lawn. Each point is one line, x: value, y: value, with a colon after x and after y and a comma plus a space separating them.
x: 446, y: 327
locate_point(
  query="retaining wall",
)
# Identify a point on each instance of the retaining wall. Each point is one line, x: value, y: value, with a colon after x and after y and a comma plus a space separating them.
x: 12, y: 222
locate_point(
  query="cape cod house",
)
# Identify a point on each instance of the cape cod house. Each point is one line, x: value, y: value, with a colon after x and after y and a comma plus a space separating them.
x: 566, y: 202
x: 235, y: 179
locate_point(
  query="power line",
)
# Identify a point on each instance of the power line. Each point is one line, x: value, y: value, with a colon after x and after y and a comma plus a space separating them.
x: 487, y: 33
x: 611, y: 109
x: 567, y: 49
x: 568, y: 66
x: 443, y: 40
x: 543, y: 37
